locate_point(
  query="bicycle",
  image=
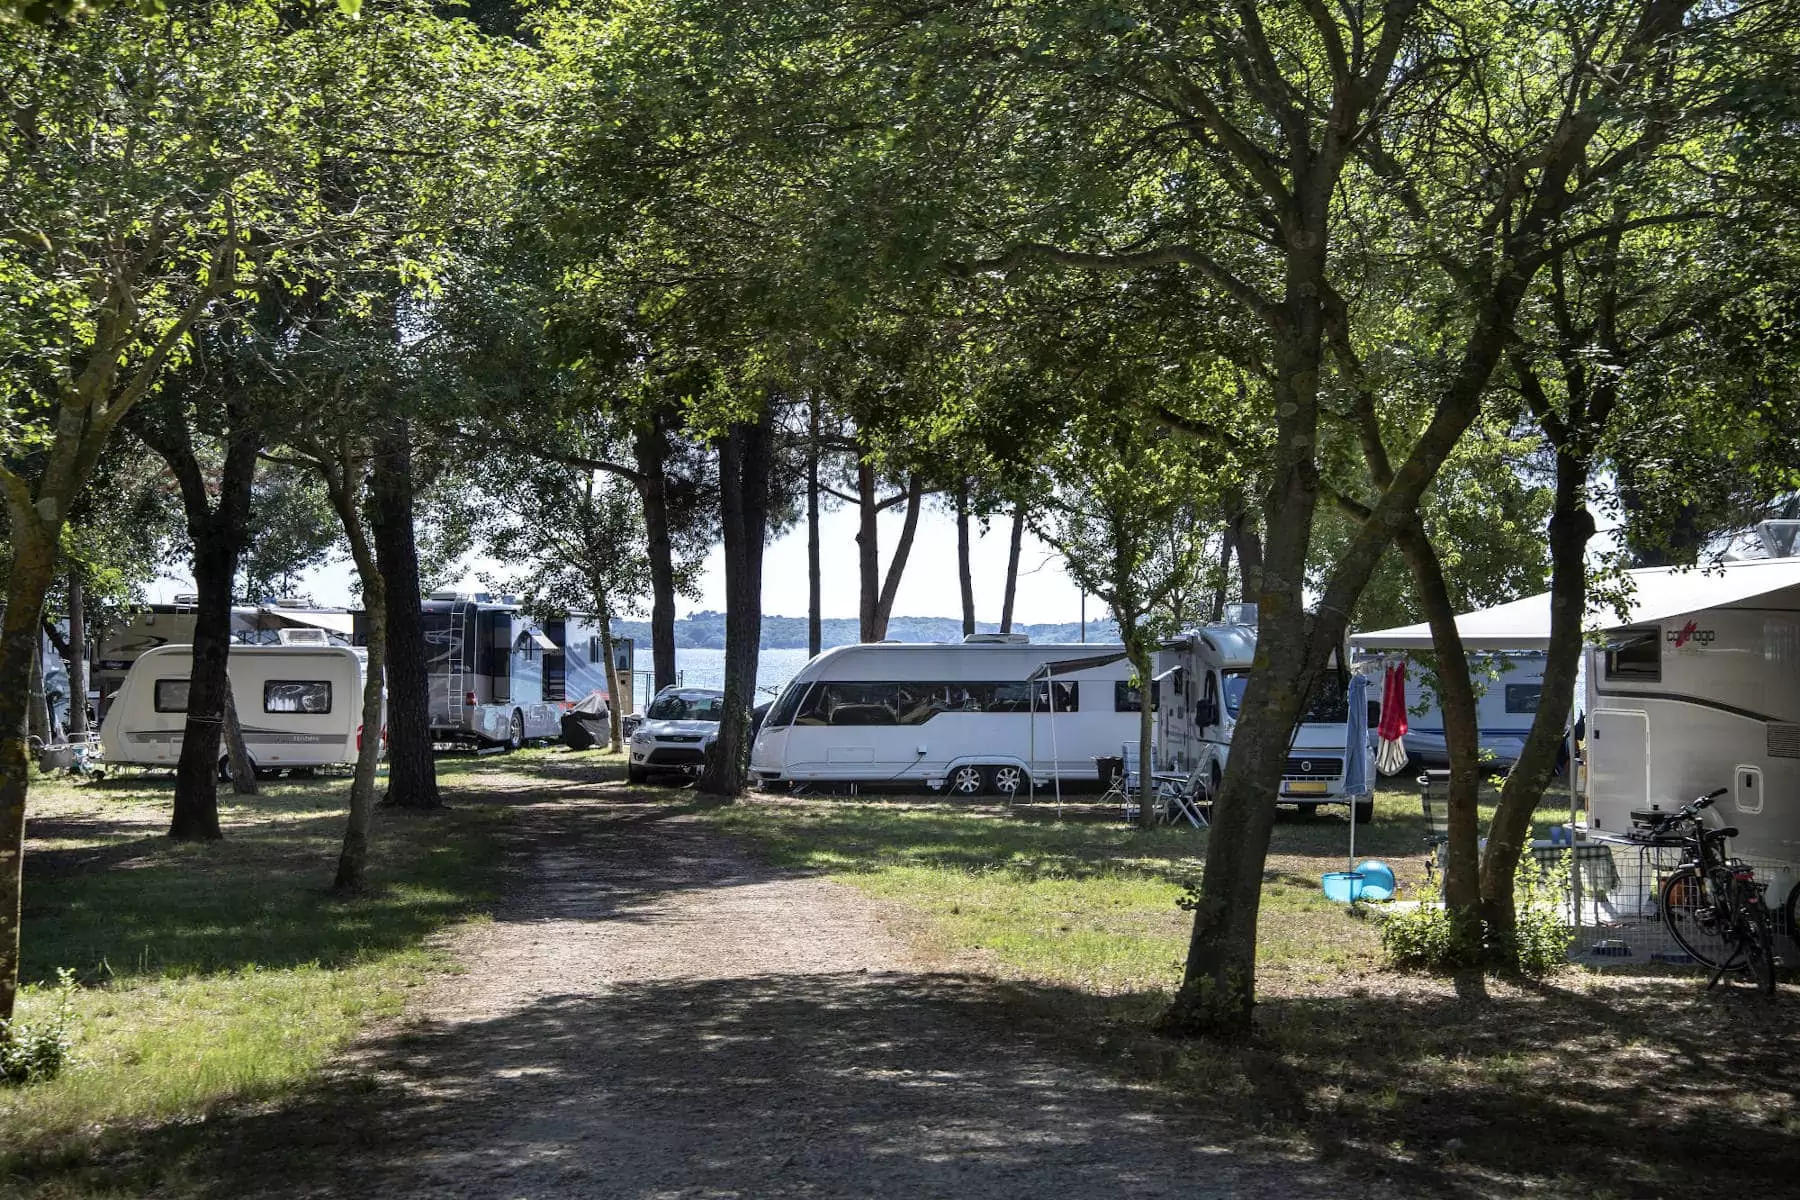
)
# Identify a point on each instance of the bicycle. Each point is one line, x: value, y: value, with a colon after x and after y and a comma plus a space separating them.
x: 1712, y: 903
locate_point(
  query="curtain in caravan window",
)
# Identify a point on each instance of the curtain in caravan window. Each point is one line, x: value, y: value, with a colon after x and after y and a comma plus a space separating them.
x: 171, y: 695
x: 312, y: 696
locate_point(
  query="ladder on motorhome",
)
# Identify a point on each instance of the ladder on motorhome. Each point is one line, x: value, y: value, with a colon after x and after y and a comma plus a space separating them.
x: 457, y: 708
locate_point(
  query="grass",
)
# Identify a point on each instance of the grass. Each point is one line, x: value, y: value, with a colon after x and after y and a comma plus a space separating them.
x: 218, y: 974
x: 1586, y: 1085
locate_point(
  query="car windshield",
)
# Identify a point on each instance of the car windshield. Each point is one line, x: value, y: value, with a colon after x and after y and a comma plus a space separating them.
x: 687, y: 706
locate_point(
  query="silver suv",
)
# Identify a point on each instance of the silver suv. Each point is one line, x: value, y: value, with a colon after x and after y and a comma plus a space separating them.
x: 677, y: 728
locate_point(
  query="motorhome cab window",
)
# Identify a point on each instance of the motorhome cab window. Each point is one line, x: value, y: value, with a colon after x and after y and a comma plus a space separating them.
x: 1235, y: 683
x: 1523, y: 697
x: 171, y: 695
x: 1635, y: 655
x: 1330, y: 701
x: 297, y: 696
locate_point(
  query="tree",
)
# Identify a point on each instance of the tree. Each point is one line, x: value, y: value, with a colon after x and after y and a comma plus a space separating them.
x: 1119, y: 492
x: 576, y: 539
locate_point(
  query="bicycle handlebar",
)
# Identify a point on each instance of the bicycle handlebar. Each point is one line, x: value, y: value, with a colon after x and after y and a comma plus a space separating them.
x: 1690, y: 810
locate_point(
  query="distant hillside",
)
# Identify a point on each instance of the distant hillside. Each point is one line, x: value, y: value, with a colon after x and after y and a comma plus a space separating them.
x: 706, y: 631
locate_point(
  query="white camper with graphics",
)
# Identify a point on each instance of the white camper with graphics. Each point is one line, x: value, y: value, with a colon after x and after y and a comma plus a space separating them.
x: 300, y: 706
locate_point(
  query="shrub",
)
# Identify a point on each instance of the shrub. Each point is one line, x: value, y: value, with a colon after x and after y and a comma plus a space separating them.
x: 28, y: 1055
x: 1432, y: 938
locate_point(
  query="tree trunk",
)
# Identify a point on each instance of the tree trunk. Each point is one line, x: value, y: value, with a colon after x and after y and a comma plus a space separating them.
x: 1140, y: 662
x: 815, y: 634
x: 344, y: 477
x: 196, y: 815
x: 651, y: 448
x: 243, y: 771
x: 890, y: 587
x: 37, y: 724
x: 1249, y: 546
x: 868, y: 554
x: 78, y: 674
x: 744, y: 463
x: 964, y: 574
x: 34, y: 545
x: 412, y: 771
x: 1012, y: 568
x: 1571, y: 526
x: 1462, y: 729
x: 1226, y: 547
x: 615, y: 721
x: 1218, y: 990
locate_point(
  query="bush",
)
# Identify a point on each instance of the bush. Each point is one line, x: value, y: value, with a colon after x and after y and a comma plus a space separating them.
x: 1432, y: 938
x: 28, y: 1055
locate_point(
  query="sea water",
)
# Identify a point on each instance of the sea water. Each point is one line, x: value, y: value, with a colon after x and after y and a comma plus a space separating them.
x: 706, y: 669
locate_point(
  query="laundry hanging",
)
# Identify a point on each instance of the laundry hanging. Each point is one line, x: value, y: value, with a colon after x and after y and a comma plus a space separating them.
x: 1390, y: 755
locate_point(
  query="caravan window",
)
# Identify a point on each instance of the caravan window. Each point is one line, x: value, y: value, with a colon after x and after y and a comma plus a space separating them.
x: 1127, y: 698
x: 555, y: 677
x: 1635, y: 655
x: 786, y: 706
x: 171, y: 695
x: 311, y: 696
x: 1067, y: 698
x: 1523, y: 697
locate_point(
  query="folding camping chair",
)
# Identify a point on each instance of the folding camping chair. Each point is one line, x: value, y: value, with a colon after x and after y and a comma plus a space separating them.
x: 1434, y: 798
x: 1182, y: 798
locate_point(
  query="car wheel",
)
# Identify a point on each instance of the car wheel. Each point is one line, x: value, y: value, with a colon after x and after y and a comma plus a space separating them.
x: 515, y: 732
x: 1006, y: 780
x: 1365, y: 811
x: 965, y: 781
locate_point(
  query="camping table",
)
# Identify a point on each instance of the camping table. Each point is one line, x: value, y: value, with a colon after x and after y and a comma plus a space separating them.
x: 1599, y: 877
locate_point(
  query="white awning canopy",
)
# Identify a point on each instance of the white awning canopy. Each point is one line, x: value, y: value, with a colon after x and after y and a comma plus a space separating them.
x: 536, y: 637
x: 1656, y: 593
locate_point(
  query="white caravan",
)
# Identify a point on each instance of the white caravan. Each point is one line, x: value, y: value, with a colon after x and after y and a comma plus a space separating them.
x: 992, y: 713
x: 299, y: 706
x: 1201, y: 678
x: 1511, y: 685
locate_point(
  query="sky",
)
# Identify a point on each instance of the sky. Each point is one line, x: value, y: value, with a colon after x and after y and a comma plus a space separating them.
x: 927, y: 589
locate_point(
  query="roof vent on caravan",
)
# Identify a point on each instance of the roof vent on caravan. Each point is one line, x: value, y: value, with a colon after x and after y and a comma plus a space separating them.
x: 1240, y: 614
x: 1780, y: 539
x: 451, y: 594
x: 302, y: 637
x: 996, y: 639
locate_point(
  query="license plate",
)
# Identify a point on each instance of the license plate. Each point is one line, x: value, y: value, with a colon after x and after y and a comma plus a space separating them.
x: 1306, y: 789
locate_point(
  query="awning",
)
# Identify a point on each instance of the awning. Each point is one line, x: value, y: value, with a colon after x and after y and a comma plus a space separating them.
x: 1656, y: 594
x: 1069, y: 666
x: 537, y: 638
x: 337, y: 622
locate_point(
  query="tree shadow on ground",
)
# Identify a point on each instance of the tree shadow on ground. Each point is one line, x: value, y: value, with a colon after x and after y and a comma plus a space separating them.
x: 831, y: 1084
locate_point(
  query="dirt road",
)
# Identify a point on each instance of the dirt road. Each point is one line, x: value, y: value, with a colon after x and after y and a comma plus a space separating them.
x: 653, y: 1015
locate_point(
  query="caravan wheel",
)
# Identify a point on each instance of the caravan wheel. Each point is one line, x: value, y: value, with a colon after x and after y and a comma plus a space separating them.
x: 515, y: 732
x: 225, y: 769
x: 1006, y: 780
x: 965, y: 781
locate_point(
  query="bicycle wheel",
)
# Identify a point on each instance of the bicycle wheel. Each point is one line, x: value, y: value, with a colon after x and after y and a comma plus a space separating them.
x: 1759, y: 948
x: 1688, y: 908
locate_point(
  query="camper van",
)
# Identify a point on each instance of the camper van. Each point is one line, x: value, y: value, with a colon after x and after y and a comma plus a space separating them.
x: 300, y: 705
x: 151, y: 625
x: 499, y: 679
x: 1511, y: 685
x: 1201, y: 676
x: 992, y: 714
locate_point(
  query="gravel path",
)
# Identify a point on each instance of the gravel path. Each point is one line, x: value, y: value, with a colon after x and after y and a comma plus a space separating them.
x: 654, y: 1016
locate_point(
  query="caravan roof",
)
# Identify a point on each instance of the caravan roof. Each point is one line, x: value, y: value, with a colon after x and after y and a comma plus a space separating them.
x: 1235, y: 645
x: 1657, y: 592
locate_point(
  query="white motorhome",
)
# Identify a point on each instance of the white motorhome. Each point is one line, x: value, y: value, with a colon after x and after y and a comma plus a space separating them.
x: 992, y: 713
x: 1695, y: 686
x: 1511, y: 685
x: 497, y: 678
x: 1201, y: 677
x: 299, y: 706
